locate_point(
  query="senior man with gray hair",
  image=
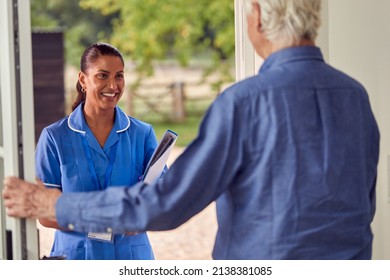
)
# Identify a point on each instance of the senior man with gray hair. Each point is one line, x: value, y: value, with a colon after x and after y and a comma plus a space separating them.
x: 290, y: 155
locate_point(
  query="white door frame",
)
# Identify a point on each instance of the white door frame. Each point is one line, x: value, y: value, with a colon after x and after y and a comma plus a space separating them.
x: 247, y: 61
x: 17, y: 116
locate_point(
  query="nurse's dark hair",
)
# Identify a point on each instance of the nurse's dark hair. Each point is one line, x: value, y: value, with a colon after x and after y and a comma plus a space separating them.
x: 90, y: 55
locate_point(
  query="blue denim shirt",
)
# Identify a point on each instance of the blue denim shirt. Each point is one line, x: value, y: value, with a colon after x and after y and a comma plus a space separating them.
x: 290, y: 155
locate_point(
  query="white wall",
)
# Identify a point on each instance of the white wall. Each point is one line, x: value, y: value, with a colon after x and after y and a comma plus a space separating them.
x: 359, y: 44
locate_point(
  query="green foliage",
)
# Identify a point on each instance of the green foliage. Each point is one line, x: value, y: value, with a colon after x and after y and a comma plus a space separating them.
x: 191, y: 32
x: 146, y: 30
x: 150, y: 30
x: 81, y: 27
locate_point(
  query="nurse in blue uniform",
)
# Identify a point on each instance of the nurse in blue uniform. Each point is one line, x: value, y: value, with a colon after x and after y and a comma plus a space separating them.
x: 96, y: 146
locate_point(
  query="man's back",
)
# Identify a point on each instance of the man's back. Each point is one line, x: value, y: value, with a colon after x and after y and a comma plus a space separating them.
x: 306, y: 185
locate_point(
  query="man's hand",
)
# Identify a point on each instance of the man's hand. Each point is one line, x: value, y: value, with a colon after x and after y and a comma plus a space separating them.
x: 27, y: 200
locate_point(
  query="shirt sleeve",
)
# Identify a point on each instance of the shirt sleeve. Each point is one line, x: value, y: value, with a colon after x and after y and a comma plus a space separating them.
x: 46, y: 161
x: 199, y: 175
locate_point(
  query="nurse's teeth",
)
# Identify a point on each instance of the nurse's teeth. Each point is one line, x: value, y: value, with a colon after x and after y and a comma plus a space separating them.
x: 108, y: 94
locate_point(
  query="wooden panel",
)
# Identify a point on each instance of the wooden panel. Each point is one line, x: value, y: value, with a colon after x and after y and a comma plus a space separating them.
x: 48, y: 78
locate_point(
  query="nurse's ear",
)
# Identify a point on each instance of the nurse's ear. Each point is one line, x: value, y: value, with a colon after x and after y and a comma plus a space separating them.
x: 82, y: 81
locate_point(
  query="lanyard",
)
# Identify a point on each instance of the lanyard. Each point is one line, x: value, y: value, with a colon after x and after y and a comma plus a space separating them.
x: 95, y: 179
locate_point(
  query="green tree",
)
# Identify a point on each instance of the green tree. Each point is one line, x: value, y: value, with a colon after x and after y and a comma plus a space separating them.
x: 150, y: 30
x: 81, y: 27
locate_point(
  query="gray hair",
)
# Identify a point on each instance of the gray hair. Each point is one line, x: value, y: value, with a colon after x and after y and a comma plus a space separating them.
x: 286, y: 22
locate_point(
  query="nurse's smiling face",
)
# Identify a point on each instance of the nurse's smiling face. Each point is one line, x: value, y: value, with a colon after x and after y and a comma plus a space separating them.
x: 103, y: 82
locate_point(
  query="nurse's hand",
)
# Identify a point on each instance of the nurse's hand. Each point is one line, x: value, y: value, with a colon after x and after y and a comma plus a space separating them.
x: 23, y: 199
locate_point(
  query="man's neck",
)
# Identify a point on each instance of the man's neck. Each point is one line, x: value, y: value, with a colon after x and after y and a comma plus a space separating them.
x: 274, y: 47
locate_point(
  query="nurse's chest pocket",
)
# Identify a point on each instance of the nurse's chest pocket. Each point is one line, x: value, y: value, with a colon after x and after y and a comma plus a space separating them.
x: 71, y: 178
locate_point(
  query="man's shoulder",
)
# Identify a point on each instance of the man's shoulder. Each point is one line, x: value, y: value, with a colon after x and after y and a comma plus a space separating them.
x: 244, y: 91
x: 243, y: 86
x: 346, y: 78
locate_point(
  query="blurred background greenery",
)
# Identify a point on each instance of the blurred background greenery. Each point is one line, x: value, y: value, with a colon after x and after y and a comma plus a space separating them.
x: 151, y: 34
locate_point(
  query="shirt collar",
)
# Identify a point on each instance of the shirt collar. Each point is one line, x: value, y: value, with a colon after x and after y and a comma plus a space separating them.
x: 77, y: 123
x: 291, y: 54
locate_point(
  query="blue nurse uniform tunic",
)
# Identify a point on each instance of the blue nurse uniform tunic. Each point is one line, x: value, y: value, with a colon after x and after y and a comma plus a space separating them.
x: 69, y: 157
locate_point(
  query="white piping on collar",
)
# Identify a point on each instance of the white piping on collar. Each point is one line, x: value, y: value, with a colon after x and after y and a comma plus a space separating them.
x: 128, y: 122
x: 83, y: 132
x: 72, y: 128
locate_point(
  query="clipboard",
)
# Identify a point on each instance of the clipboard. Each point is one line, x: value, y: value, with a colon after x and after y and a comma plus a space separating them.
x: 160, y: 156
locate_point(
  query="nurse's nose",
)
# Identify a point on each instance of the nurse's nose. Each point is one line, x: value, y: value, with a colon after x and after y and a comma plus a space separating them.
x: 112, y: 84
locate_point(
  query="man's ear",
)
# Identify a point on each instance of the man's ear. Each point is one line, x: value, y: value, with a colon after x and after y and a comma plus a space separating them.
x: 257, y: 14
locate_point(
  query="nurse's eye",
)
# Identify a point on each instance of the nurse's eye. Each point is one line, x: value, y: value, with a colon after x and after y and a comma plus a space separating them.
x: 119, y: 76
x: 102, y: 76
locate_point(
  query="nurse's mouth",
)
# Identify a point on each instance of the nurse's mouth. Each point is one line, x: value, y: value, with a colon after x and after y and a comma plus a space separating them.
x: 108, y: 94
